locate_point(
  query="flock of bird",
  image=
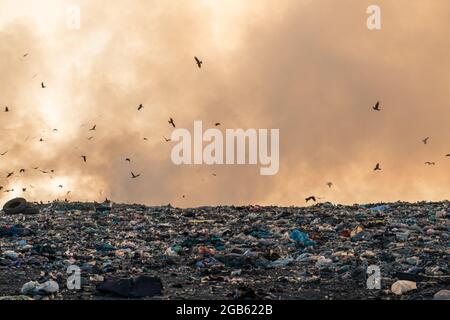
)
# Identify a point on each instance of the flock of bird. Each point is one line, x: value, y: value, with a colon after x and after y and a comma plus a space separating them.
x: 377, y: 108
x: 171, y: 122
x: 84, y: 158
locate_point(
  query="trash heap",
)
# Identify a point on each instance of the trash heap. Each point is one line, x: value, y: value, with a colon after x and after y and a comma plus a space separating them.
x: 226, y: 252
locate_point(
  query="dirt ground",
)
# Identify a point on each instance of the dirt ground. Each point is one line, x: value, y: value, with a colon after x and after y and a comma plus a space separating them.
x: 247, y: 252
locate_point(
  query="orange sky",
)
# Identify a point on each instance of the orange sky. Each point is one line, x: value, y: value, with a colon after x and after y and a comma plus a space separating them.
x: 309, y: 68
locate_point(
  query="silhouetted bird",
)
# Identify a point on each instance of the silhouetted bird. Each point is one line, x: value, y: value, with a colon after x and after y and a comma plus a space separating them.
x: 43, y: 86
x: 425, y: 141
x: 24, y: 189
x: 217, y: 124
x: 448, y: 155
x: 140, y: 107
x: 172, y: 122
x: 428, y: 163
x: 134, y: 176
x: 128, y: 159
x: 60, y: 186
x: 377, y: 107
x: 93, y: 128
x: 6, y: 109
x: 167, y: 139
x: 377, y: 167
x: 41, y: 140
x: 2, y: 154
x: 145, y: 139
x: 329, y: 184
x: 90, y: 138
x: 25, y: 55
x: 199, y: 62
x: 84, y: 158
x: 9, y: 175
x: 22, y: 170
x: 311, y: 198
x: 214, y: 174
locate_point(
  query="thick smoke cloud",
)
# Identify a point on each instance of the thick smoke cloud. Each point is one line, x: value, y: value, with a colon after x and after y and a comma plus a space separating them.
x: 309, y: 68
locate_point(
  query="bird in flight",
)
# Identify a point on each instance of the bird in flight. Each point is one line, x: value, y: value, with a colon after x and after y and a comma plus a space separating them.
x: 377, y: 167
x: 9, y: 175
x: 311, y: 198
x: 84, y: 158
x: 60, y: 186
x: 24, y: 189
x: 128, y: 159
x: 376, y: 107
x: 428, y: 163
x: 41, y: 140
x: 140, y: 107
x: 93, y: 128
x: 6, y: 109
x: 329, y: 184
x: 2, y: 154
x: 172, y: 122
x: 25, y: 55
x: 199, y: 62
x: 217, y: 124
x: 22, y: 170
x: 134, y: 176
x: 425, y: 141
x: 43, y: 86
x: 167, y: 139
x: 90, y: 138
x: 448, y: 155
x: 145, y: 139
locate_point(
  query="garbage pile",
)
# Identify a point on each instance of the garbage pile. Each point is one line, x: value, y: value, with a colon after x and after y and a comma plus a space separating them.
x: 250, y: 252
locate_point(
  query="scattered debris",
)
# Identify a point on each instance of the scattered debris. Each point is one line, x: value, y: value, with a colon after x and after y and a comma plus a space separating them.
x: 19, y: 205
x: 139, y: 287
x: 227, y: 252
x: 34, y: 288
x: 442, y: 295
x: 402, y: 286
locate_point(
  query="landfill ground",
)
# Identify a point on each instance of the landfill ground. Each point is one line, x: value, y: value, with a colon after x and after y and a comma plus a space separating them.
x: 249, y: 252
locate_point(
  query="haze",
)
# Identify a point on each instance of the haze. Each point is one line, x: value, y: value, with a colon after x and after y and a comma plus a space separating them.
x: 309, y: 68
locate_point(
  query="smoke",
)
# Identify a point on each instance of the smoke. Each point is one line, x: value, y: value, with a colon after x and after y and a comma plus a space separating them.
x: 309, y: 68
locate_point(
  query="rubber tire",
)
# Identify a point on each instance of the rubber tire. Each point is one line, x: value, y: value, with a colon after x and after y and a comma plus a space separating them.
x: 15, y: 206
